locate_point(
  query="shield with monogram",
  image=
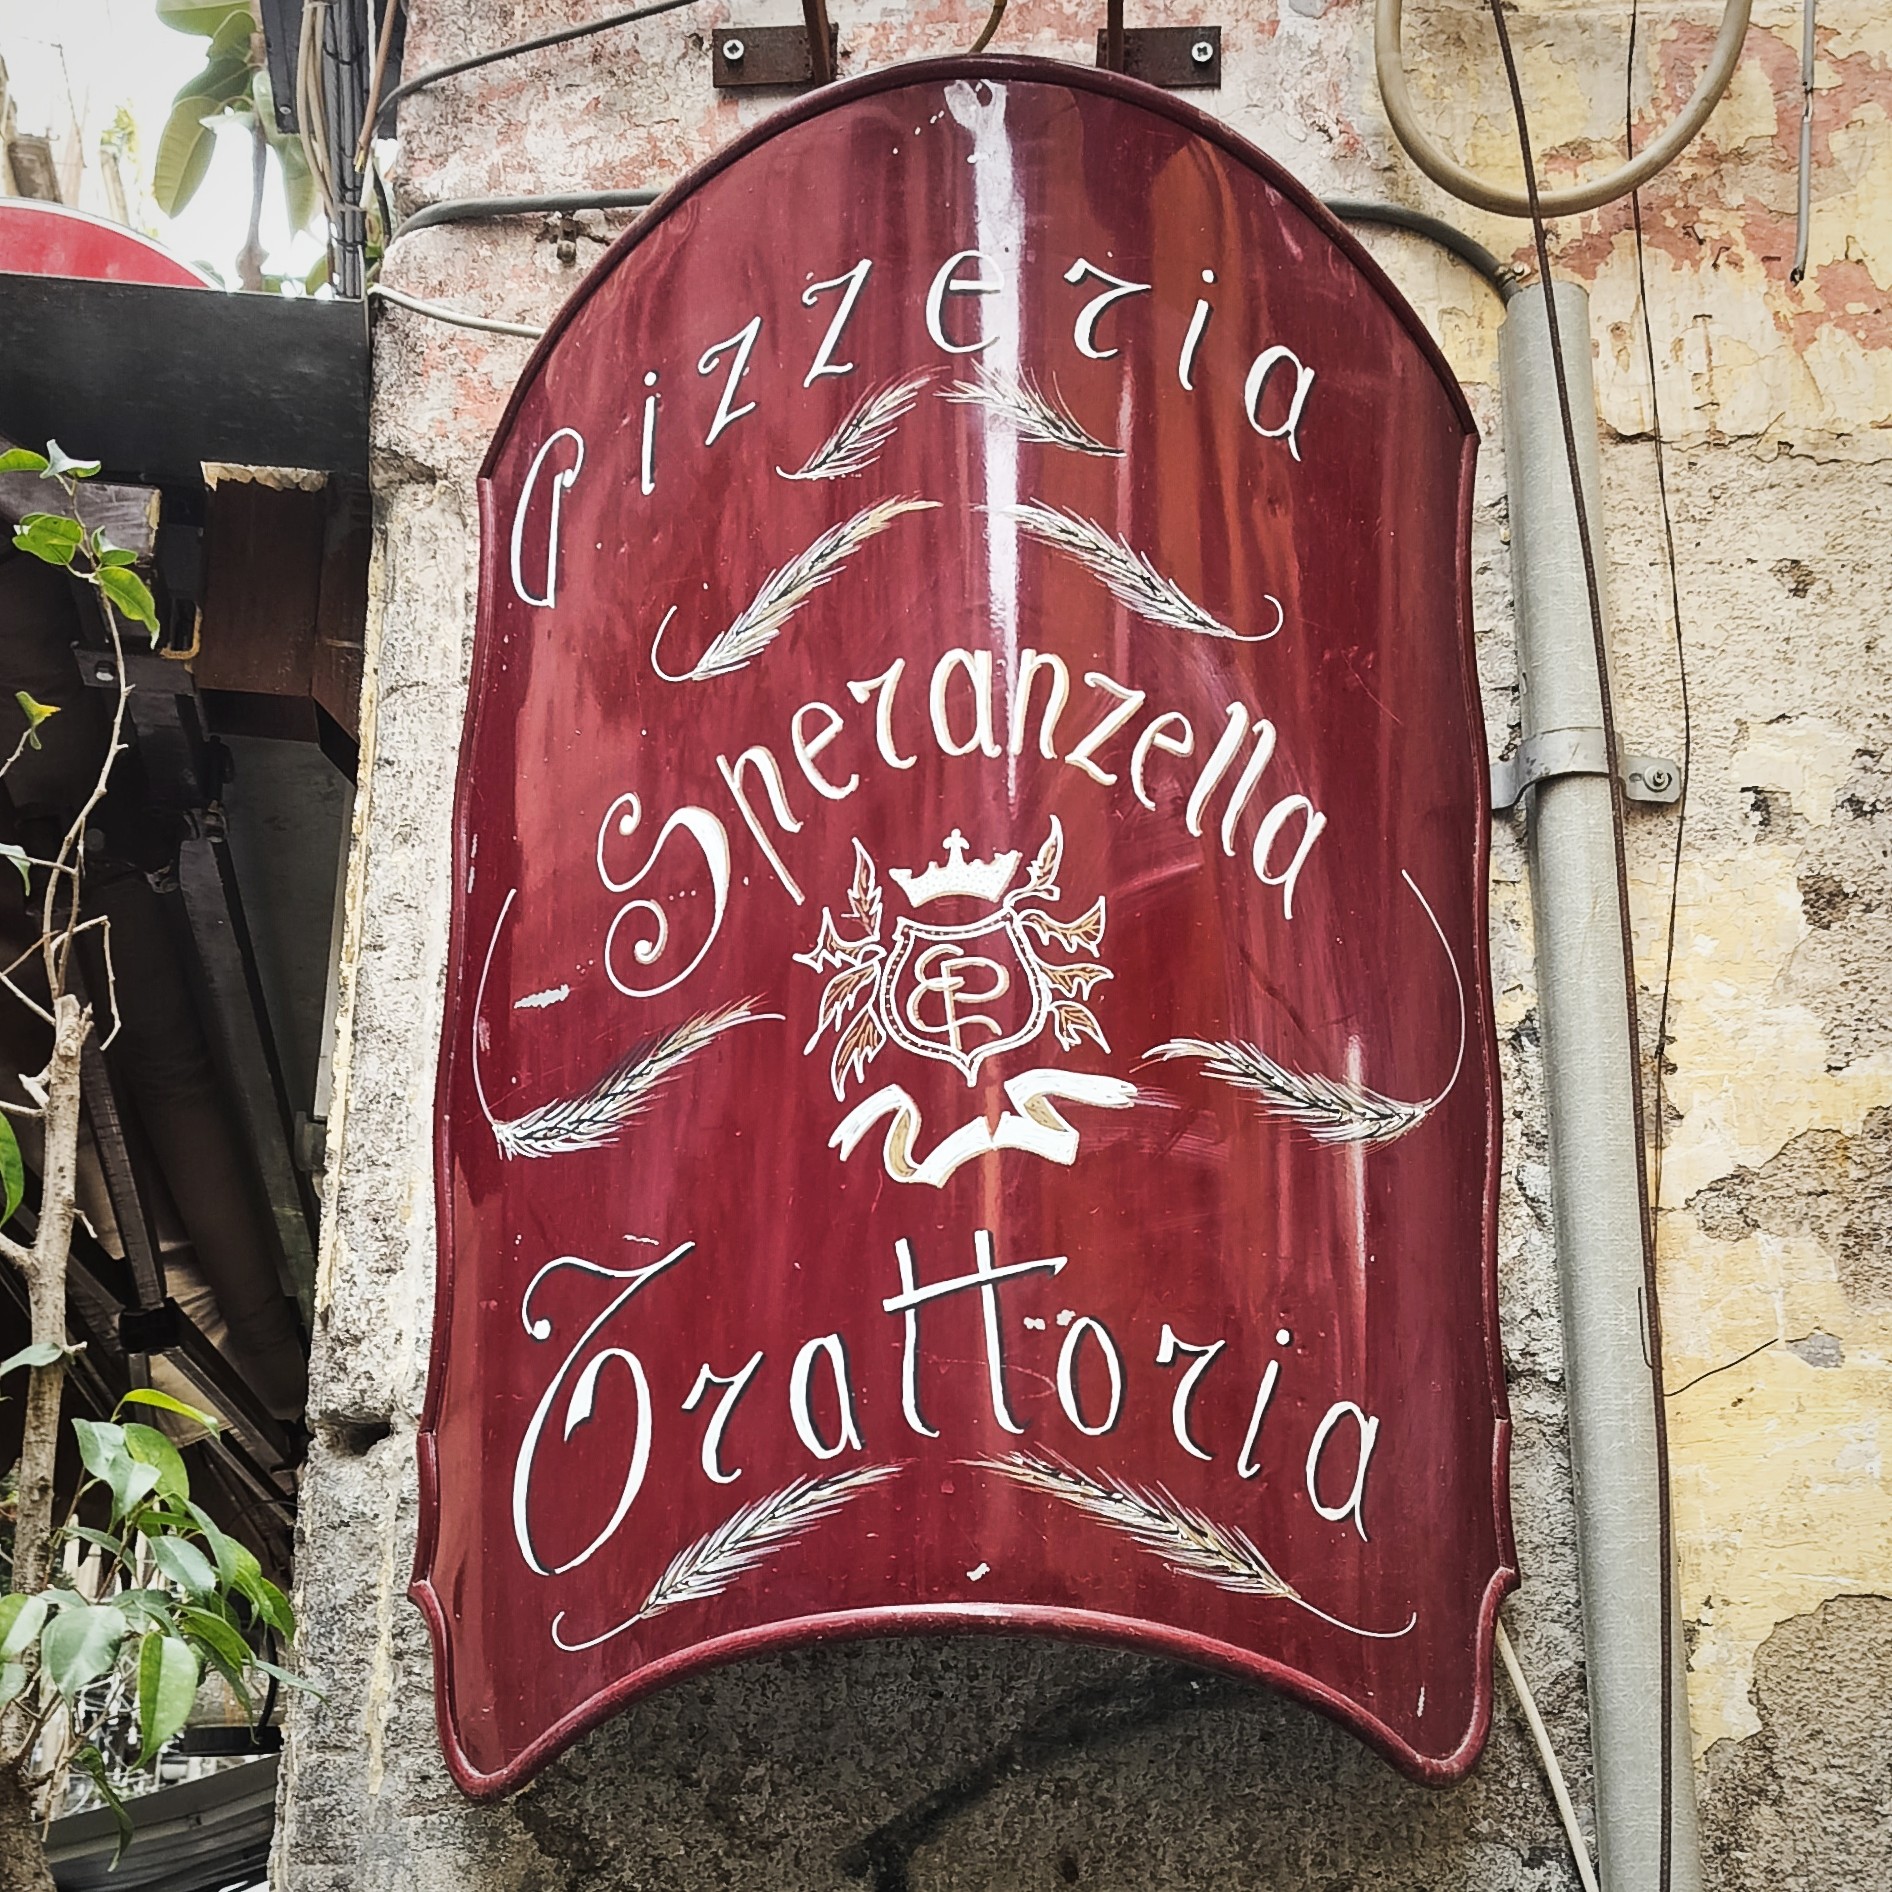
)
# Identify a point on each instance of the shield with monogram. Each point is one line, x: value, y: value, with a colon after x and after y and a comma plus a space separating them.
x: 967, y: 1095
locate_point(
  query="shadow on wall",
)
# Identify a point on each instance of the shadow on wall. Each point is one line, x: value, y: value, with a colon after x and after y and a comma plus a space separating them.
x: 1011, y: 1766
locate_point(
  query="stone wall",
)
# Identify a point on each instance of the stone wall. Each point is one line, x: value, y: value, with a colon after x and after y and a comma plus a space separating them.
x: 973, y: 1764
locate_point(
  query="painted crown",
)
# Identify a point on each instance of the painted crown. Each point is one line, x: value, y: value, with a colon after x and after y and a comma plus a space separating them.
x: 977, y: 880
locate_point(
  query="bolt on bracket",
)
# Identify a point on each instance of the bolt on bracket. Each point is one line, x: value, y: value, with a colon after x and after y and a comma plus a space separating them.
x: 1178, y: 58
x: 1557, y: 752
x: 744, y: 57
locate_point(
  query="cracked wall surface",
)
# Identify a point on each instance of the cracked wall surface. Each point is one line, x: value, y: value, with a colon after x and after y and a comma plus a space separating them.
x: 1027, y: 1765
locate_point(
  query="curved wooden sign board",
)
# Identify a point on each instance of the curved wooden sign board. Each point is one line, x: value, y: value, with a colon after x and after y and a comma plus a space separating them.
x: 968, y: 1096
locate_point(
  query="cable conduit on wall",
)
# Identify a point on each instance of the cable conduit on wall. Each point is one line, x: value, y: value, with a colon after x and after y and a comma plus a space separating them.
x: 1505, y: 201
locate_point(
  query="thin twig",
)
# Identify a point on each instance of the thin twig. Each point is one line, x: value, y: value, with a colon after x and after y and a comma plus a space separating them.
x: 103, y: 923
x: 19, y: 748
x: 32, y: 1004
x: 57, y: 945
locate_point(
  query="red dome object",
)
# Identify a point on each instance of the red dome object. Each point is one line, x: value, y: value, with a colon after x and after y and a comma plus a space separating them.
x: 41, y: 239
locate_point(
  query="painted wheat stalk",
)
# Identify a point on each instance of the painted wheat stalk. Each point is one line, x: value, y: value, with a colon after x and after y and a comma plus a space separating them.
x: 748, y: 1538
x: 1189, y: 1541
x: 594, y: 1119
x: 1028, y: 411
x: 1329, y: 1110
x: 1126, y: 574
x: 855, y: 444
x: 785, y: 591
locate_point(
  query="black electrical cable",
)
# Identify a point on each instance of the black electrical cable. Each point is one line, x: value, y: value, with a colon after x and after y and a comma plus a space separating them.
x: 473, y: 209
x: 434, y: 74
x: 1501, y: 276
x: 1618, y: 825
x: 1675, y: 619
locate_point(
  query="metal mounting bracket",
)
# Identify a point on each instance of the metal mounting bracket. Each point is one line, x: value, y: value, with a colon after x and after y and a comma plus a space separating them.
x: 1555, y: 752
x: 1178, y: 58
x: 744, y: 57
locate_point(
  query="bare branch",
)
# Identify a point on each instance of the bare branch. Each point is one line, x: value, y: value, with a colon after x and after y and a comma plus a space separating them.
x: 56, y: 942
x: 45, y: 1271
x: 31, y: 1004
x: 103, y: 922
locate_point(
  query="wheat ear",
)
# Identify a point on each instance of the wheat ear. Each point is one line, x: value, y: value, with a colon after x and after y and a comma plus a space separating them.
x: 744, y: 1541
x: 1184, y: 1538
x: 1328, y: 1109
x: 855, y: 445
x: 594, y: 1119
x: 1127, y: 575
x: 1189, y: 1541
x: 785, y: 591
x: 1032, y: 415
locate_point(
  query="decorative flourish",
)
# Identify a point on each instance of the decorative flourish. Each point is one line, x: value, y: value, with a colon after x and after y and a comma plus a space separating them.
x: 1328, y: 1109
x: 785, y: 591
x: 857, y: 964
x: 1032, y: 415
x: 855, y: 445
x: 596, y: 1118
x: 1127, y: 575
x: 1189, y: 1541
x: 744, y: 1541
x: 1034, y: 1124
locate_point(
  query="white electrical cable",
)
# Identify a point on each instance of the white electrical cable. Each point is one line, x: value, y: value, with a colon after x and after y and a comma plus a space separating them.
x: 1450, y: 175
x: 486, y: 324
x: 1579, y: 1847
x: 1803, y: 195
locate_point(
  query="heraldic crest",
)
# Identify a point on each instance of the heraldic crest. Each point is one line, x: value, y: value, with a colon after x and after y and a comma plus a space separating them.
x: 961, y: 992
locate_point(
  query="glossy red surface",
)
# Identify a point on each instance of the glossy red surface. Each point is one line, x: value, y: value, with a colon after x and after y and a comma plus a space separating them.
x: 685, y: 1403
x: 41, y: 239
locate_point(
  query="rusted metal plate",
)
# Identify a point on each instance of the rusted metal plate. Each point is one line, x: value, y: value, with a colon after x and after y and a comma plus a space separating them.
x: 968, y: 1094
x: 1178, y: 58
x: 743, y: 58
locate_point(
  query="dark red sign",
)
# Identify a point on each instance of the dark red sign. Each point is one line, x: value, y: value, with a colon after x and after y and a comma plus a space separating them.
x: 968, y: 1095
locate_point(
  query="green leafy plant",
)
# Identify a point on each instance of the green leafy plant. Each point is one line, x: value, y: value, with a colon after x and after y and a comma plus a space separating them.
x: 58, y: 538
x: 232, y: 87
x: 166, y: 1597
x: 164, y: 1592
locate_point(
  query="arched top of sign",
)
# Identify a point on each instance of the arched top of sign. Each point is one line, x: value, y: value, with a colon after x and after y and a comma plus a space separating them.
x: 968, y: 1091
x: 922, y: 75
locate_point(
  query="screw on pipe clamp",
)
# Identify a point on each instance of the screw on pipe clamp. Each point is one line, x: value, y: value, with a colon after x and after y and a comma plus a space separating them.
x: 1557, y: 752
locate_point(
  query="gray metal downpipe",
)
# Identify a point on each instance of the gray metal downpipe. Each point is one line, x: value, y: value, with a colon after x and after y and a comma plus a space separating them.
x: 1588, y: 1071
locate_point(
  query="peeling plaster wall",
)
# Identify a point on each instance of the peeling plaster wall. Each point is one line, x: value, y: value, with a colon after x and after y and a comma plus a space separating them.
x: 967, y: 1764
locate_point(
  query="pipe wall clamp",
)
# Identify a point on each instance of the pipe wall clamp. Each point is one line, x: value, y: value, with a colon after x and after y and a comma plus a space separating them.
x: 1557, y: 752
